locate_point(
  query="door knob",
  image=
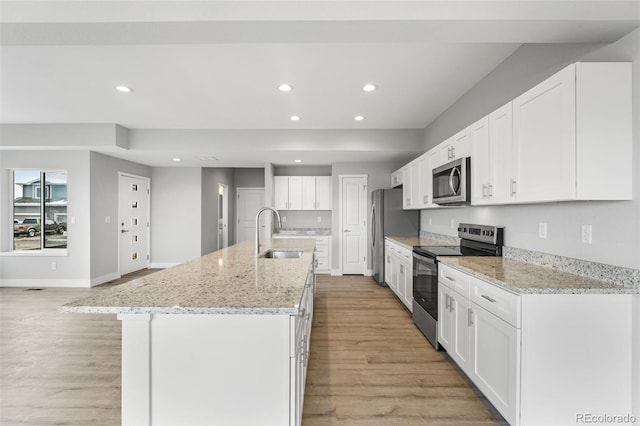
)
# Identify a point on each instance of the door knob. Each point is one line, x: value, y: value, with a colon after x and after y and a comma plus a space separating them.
x: 123, y: 231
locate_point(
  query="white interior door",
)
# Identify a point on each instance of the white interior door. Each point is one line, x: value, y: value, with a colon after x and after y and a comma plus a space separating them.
x: 353, y: 215
x: 133, y: 223
x: 249, y: 201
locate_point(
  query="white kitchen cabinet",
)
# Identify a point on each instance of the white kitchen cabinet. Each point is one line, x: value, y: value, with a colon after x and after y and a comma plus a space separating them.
x: 322, y: 253
x: 491, y: 153
x: 572, y: 136
x: 302, y: 192
x: 399, y: 272
x: 288, y: 192
x: 396, y: 178
x: 323, y: 193
x: 533, y: 355
x: 411, y: 186
x: 457, y: 146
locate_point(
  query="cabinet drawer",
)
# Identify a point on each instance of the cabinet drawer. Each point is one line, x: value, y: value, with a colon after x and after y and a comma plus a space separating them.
x: 322, y: 263
x: 322, y: 241
x: 404, y: 254
x: 322, y: 251
x: 501, y: 303
x: 454, y: 279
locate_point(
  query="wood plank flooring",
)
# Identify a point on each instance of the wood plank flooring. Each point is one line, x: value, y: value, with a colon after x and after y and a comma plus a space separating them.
x: 368, y: 363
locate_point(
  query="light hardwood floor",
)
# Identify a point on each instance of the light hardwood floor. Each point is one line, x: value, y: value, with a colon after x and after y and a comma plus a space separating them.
x: 368, y: 363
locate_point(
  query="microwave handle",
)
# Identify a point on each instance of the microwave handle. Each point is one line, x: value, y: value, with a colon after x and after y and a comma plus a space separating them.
x: 453, y: 170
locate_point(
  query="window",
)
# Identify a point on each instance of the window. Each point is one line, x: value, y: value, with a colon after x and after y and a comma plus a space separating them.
x: 39, y: 223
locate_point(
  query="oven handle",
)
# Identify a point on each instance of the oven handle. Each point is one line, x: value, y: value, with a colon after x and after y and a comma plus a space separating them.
x: 424, y: 259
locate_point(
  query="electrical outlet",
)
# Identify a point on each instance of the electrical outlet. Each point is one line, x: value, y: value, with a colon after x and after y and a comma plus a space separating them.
x: 453, y: 224
x: 107, y: 219
x: 73, y: 220
x: 54, y: 266
x: 586, y: 234
x: 319, y: 219
x: 430, y: 221
x: 284, y: 219
x: 542, y: 230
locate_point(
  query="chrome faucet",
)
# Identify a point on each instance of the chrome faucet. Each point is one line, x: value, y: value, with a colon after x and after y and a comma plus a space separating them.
x: 258, y: 225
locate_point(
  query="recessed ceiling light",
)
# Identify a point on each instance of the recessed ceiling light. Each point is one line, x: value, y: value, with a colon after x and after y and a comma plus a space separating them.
x: 124, y: 89
x: 284, y: 87
x: 369, y: 87
x: 177, y: 159
x: 295, y: 118
x: 359, y: 117
x: 297, y: 161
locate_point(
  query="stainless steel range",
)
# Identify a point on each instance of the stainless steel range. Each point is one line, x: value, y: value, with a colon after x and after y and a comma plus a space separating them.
x: 476, y: 240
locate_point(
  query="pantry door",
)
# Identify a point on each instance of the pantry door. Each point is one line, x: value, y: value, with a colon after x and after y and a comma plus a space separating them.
x: 353, y: 223
x: 133, y: 222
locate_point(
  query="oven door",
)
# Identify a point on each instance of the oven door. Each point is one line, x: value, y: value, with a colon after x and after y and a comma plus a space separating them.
x: 425, y: 284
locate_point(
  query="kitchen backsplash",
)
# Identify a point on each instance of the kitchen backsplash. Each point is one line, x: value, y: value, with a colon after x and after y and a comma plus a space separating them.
x: 447, y: 239
x: 305, y: 219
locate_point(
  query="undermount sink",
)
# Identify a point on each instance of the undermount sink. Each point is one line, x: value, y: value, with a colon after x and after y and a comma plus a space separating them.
x: 282, y: 254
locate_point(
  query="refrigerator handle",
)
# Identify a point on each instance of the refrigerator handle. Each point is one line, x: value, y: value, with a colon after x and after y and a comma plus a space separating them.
x: 372, y: 223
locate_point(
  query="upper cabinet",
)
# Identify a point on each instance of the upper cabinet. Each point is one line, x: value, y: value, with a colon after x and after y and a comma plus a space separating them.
x: 572, y: 136
x: 457, y: 146
x: 302, y: 192
x: 491, y: 154
x: 396, y: 178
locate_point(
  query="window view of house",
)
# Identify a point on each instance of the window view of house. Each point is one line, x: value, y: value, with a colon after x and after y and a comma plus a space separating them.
x: 39, y: 221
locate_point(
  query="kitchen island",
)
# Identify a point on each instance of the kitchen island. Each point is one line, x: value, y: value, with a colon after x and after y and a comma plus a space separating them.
x: 222, y: 339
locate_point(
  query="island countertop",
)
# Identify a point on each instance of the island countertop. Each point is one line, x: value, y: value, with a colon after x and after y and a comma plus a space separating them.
x: 526, y: 278
x: 228, y: 281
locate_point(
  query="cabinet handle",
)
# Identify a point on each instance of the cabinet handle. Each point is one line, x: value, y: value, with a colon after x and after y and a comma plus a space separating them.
x: 484, y: 191
x: 446, y: 301
x: 470, y: 317
x: 450, y: 279
x: 451, y: 300
x: 453, y: 152
x: 490, y: 190
x: 513, y: 187
x: 490, y: 299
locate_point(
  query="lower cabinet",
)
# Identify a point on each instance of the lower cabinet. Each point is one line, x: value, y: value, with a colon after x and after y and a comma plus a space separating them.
x: 300, y: 360
x: 399, y: 272
x: 538, y: 358
x: 323, y: 250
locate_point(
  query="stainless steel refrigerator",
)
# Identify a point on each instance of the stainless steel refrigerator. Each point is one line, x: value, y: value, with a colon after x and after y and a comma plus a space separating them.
x: 389, y: 219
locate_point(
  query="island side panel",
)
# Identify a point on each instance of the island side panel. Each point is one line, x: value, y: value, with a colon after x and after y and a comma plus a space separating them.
x: 136, y: 369
x: 220, y: 369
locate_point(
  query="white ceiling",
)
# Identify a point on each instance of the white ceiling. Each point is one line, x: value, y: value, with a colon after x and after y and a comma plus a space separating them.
x: 216, y: 65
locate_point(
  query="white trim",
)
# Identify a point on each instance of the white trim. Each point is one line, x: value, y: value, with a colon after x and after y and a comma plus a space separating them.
x: 36, y: 253
x: 43, y: 283
x: 104, y: 278
x: 148, y: 179
x: 368, y: 273
x: 336, y: 272
x: 162, y: 265
x: 340, y: 233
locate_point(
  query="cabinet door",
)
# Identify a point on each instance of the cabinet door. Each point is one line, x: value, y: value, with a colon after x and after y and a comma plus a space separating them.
x: 461, y: 144
x: 425, y: 180
x: 281, y: 192
x: 494, y: 367
x: 444, y: 317
x: 295, y: 192
x: 415, y: 185
x: 544, y: 144
x: 323, y: 192
x: 387, y: 267
x: 501, y: 154
x: 308, y: 192
x: 407, y: 298
x: 406, y: 188
x: 402, y: 279
x: 396, y: 178
x: 480, y: 162
x: 460, y: 322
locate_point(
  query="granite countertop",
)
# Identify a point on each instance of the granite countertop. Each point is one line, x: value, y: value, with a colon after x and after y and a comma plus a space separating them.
x: 229, y: 281
x: 526, y: 278
x: 410, y: 242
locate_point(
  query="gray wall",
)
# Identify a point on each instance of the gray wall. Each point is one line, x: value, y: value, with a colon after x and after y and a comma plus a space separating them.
x: 616, y: 225
x: 104, y: 202
x: 248, y: 178
x: 176, y: 213
x: 211, y: 178
x: 74, y: 269
x: 379, y: 176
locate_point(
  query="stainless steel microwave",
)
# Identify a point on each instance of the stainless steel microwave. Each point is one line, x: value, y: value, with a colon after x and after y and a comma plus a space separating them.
x: 452, y: 183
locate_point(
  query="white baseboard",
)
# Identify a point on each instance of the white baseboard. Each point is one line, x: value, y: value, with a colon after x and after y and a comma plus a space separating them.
x: 336, y: 272
x: 162, y: 265
x: 43, y: 283
x: 104, y: 279
x: 368, y: 273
